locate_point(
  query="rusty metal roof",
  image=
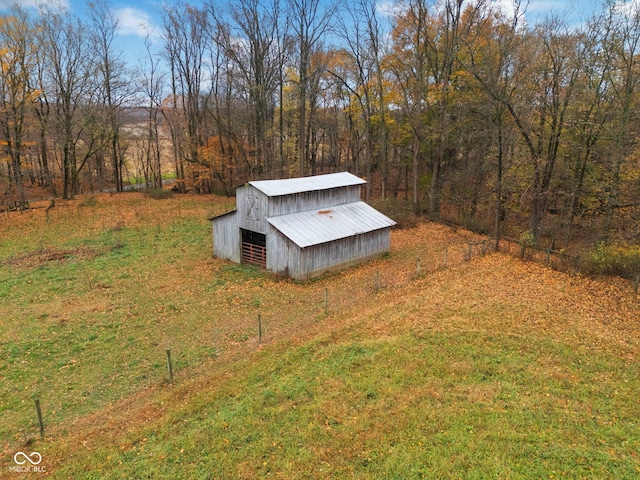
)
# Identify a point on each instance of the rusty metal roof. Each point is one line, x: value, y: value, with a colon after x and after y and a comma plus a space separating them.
x: 274, y: 188
x: 314, y: 227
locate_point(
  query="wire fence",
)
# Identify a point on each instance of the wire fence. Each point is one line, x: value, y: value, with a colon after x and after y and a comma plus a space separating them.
x: 553, y: 258
x: 335, y: 300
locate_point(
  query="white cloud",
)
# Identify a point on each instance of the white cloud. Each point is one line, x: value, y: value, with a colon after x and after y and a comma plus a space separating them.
x: 627, y: 7
x: 136, y: 22
x: 506, y: 7
x: 34, y: 3
x: 389, y: 8
x: 546, y: 6
x: 392, y: 8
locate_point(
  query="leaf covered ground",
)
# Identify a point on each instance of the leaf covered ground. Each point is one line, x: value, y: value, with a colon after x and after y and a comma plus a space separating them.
x: 488, y: 368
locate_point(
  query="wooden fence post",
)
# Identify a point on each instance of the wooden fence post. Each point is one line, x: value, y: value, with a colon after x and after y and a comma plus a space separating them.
x: 169, y: 365
x: 40, y: 421
x: 259, y: 329
x: 326, y: 300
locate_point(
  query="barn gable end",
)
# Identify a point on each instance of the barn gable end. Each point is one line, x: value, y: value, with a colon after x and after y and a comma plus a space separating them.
x: 302, y: 227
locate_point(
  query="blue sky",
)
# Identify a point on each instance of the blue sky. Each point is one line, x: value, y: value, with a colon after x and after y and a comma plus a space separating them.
x: 136, y: 20
x: 134, y: 16
x: 138, y: 16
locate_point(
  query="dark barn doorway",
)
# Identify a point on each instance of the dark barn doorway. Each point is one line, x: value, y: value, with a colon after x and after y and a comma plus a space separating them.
x: 254, y: 248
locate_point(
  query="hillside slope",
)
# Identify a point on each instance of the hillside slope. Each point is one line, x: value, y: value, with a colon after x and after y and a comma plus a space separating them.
x: 489, y: 368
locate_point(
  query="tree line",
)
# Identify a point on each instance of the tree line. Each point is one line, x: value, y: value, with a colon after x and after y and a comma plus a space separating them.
x: 464, y: 111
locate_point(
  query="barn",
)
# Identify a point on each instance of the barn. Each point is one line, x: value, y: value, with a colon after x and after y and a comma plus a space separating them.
x: 302, y: 227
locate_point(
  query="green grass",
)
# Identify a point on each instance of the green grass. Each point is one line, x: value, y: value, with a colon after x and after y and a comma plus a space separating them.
x: 488, y: 369
x: 435, y: 405
x: 60, y: 315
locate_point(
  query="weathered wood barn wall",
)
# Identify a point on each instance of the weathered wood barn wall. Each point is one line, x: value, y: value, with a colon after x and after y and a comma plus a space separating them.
x: 302, y: 227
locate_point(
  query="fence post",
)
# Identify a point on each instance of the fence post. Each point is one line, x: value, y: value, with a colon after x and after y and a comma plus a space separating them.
x: 169, y: 365
x: 40, y: 422
x: 259, y: 329
x: 326, y: 300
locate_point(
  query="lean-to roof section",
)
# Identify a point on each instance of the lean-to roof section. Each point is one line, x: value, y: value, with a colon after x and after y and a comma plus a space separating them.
x: 314, y: 227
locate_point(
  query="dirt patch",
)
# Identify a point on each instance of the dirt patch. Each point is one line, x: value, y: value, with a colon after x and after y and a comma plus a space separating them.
x: 38, y: 258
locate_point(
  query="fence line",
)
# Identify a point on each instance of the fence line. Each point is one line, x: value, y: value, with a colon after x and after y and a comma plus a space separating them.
x: 553, y: 258
x: 453, y: 254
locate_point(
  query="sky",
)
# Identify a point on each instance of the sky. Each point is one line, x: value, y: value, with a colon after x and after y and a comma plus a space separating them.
x: 136, y: 20
x: 140, y: 18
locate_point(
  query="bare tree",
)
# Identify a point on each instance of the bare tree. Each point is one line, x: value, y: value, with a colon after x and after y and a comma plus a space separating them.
x: 17, y: 90
x: 592, y: 112
x: 152, y: 84
x: 310, y: 21
x: 42, y: 109
x: 250, y: 42
x: 186, y: 34
x: 361, y: 33
x: 408, y: 64
x: 65, y: 46
x: 113, y: 79
x: 624, y: 82
x: 537, y: 68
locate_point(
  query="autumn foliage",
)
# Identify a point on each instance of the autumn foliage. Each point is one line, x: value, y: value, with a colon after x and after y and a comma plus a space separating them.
x: 408, y: 369
x: 497, y: 121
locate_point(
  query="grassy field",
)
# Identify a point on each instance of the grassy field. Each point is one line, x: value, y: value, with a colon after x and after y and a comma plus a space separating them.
x: 489, y: 368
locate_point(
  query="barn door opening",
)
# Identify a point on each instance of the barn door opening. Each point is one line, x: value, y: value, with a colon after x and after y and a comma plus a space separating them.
x: 254, y: 248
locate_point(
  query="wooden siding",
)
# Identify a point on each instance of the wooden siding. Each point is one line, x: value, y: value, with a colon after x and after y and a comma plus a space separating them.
x: 226, y: 237
x: 302, y: 202
x: 252, y: 209
x: 347, y: 251
x: 287, y: 259
x: 283, y: 253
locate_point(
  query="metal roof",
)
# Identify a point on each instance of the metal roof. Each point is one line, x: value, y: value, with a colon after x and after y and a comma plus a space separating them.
x: 320, y: 226
x: 274, y: 188
x: 235, y: 210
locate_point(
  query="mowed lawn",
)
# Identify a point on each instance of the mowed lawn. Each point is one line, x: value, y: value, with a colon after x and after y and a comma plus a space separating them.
x: 489, y: 368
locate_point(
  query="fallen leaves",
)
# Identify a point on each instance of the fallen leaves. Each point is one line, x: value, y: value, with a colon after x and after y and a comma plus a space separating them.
x: 37, y: 258
x: 201, y: 301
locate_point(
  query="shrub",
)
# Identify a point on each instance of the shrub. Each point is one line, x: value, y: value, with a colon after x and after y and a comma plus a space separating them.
x: 527, y: 239
x: 615, y: 259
